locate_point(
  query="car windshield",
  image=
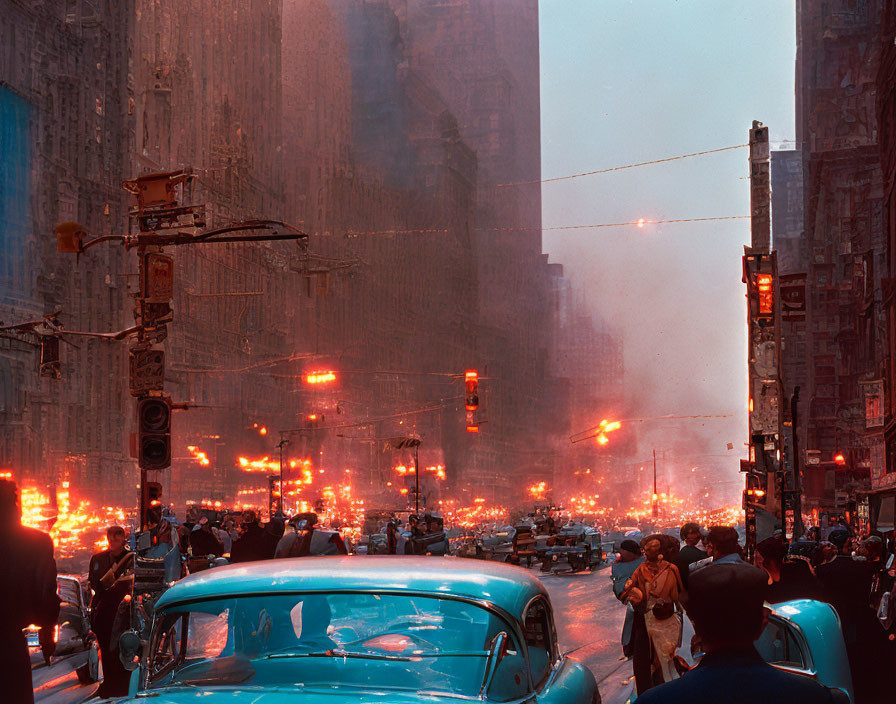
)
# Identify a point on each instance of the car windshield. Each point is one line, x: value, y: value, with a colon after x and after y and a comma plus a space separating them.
x: 347, y: 640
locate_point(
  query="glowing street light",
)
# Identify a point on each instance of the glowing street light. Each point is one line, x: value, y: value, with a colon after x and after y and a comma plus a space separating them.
x: 320, y: 377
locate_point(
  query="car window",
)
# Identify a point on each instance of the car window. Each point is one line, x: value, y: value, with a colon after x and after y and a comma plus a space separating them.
x: 778, y: 645
x: 419, y: 643
x: 539, y: 635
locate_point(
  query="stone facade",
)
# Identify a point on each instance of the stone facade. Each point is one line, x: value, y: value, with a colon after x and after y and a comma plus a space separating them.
x: 837, y: 63
x: 66, y: 122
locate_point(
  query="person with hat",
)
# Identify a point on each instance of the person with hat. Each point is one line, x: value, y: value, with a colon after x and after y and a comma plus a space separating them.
x: 726, y: 605
x: 635, y: 641
x: 691, y: 534
x: 655, y: 590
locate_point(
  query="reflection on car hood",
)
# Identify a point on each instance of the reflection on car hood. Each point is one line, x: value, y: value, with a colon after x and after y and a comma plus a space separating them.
x: 336, y: 694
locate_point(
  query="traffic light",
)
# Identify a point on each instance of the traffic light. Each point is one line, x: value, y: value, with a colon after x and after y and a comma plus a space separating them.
x: 471, y: 378
x: 154, y: 432
x: 756, y: 492
x: 157, y: 289
x: 49, y: 357
x: 153, y: 494
x: 766, y: 294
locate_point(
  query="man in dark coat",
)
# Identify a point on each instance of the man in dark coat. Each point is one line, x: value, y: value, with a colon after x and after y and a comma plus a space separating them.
x: 847, y: 585
x: 253, y: 544
x: 106, y: 567
x: 27, y: 595
x: 726, y: 606
x: 203, y: 541
x: 691, y: 534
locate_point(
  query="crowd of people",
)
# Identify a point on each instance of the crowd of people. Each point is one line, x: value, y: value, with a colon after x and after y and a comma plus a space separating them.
x: 662, y: 582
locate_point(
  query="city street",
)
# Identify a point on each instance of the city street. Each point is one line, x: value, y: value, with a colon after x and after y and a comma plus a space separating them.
x: 589, y: 622
x: 58, y: 684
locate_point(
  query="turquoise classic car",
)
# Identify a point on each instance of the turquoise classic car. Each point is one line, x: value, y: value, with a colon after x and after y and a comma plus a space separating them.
x: 341, y: 630
x: 803, y: 637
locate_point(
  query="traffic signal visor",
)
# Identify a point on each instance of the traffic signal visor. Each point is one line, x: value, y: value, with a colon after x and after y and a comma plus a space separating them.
x: 69, y: 237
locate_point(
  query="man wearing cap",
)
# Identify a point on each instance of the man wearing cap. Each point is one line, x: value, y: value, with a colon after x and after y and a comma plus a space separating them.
x: 635, y: 641
x: 726, y: 606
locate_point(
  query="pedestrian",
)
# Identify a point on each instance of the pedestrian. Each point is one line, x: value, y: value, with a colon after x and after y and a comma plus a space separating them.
x: 788, y: 579
x: 726, y: 605
x: 392, y: 537
x: 691, y: 534
x: 655, y: 590
x: 296, y: 542
x: 847, y: 587
x: 27, y: 595
x: 203, y: 541
x: 723, y: 548
x: 107, y: 568
x: 223, y: 534
x: 635, y: 641
x: 254, y: 543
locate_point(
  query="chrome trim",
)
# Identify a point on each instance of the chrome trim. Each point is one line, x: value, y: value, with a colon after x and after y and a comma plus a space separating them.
x: 801, y: 641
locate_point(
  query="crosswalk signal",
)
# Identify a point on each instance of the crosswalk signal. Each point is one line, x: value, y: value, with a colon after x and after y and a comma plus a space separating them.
x: 471, y: 379
x: 154, y: 432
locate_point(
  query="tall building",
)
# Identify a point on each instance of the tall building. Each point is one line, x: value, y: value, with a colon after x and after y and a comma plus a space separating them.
x: 401, y: 135
x: 789, y: 241
x: 65, y: 123
x: 886, y: 116
x: 837, y: 65
x: 482, y: 58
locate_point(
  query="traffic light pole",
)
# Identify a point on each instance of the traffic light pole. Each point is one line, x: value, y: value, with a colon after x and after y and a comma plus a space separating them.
x: 764, y: 490
x: 161, y: 221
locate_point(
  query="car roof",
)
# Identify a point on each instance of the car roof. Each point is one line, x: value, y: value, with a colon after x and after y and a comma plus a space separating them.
x: 505, y: 586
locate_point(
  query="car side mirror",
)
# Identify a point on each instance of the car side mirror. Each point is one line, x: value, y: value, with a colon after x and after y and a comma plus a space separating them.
x: 130, y: 648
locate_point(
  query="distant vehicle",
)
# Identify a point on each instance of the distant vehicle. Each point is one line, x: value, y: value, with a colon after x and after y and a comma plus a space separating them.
x: 72, y: 632
x: 576, y: 548
x: 345, y: 630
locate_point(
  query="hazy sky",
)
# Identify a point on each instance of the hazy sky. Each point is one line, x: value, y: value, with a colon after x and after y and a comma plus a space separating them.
x: 625, y: 82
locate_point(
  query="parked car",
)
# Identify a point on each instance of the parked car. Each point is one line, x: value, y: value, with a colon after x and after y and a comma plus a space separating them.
x: 342, y: 630
x: 72, y: 632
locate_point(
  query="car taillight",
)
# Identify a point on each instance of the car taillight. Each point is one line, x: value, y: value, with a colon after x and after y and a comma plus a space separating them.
x: 56, y: 633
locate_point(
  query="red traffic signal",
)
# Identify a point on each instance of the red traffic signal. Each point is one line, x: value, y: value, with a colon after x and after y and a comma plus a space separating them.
x: 154, y: 432
x: 766, y: 294
x: 471, y: 379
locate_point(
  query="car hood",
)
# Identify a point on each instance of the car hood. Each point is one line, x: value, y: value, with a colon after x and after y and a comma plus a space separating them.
x: 284, y: 695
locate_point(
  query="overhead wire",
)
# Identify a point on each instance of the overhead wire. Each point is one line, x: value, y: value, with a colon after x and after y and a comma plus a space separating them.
x: 624, y: 166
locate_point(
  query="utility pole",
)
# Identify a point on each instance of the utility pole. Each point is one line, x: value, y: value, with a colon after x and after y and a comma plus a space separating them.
x: 283, y: 442
x: 763, y: 494
x: 162, y: 221
x: 417, y: 478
